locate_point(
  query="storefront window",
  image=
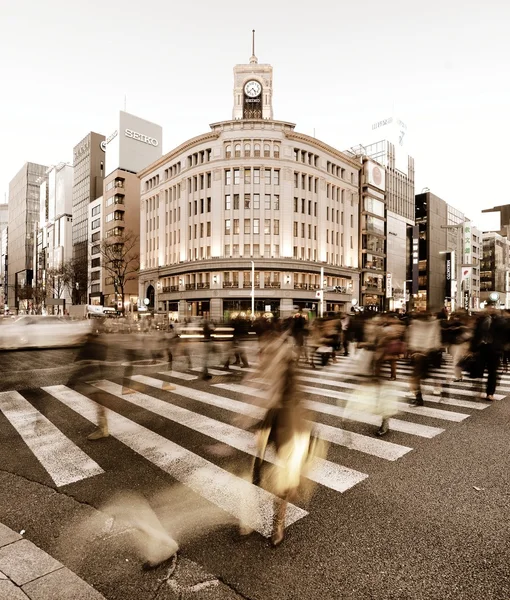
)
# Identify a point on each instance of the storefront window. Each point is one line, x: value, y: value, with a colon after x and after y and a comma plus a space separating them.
x: 374, y: 206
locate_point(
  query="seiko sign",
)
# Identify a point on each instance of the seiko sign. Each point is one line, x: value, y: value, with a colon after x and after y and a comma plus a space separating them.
x: 141, y: 137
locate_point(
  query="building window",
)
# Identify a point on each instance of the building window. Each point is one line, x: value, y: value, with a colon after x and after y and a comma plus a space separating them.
x: 256, y: 250
x: 95, y: 250
x: 237, y: 175
x: 267, y: 201
x: 236, y: 227
x: 226, y: 253
x: 247, y: 150
x: 247, y: 201
x: 227, y: 226
x: 96, y: 224
x: 95, y: 262
x: 95, y: 276
x: 267, y: 150
x: 277, y: 202
x: 237, y: 150
x: 267, y: 176
x: 208, y: 228
x: 256, y: 226
x: 208, y: 204
x: 295, y: 229
x: 96, y: 210
x: 276, y: 250
x: 235, y: 250
x: 256, y: 176
x: 267, y: 226
x: 236, y: 201
x: 276, y: 151
x: 302, y: 230
x: 296, y: 202
x: 276, y: 227
x: 95, y: 236
x: 276, y: 177
x: 247, y: 176
x: 247, y: 226
x: 256, y: 201
x: 228, y: 177
x: 267, y: 250
x: 257, y: 150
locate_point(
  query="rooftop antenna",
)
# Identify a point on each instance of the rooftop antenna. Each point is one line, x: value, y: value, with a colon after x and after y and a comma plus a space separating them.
x: 253, y: 58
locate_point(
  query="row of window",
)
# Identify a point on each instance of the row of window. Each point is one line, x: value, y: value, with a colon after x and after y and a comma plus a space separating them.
x: 201, y: 182
x: 152, y: 182
x: 204, y: 204
x: 307, y: 182
x: 232, y: 201
x: 252, y: 250
x: 251, y: 226
x: 246, y: 150
x: 117, y: 215
x: 336, y: 170
x: 172, y: 171
x: 306, y: 157
x: 117, y: 199
x: 200, y: 230
x: 269, y: 175
x: 199, y: 158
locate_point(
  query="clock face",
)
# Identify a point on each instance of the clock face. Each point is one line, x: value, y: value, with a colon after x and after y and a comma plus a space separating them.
x: 252, y: 88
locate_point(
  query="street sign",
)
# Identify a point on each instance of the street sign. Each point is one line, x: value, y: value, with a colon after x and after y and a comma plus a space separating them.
x: 319, y: 294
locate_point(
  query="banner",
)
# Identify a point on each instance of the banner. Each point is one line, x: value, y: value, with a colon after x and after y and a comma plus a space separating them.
x: 389, y: 288
x: 466, y: 305
x: 415, y: 259
x: 466, y: 273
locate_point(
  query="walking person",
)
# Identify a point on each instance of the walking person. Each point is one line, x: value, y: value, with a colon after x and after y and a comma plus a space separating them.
x: 424, y: 344
x: 90, y: 360
x: 489, y: 339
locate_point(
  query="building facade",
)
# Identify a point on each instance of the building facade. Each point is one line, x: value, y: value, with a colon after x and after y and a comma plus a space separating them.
x: 54, y: 236
x: 4, y: 222
x: 250, y: 196
x: 89, y: 171
x: 24, y: 210
x: 95, y: 271
x: 495, y: 269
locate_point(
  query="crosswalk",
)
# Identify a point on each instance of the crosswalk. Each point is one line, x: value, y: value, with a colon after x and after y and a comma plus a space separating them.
x: 212, y: 411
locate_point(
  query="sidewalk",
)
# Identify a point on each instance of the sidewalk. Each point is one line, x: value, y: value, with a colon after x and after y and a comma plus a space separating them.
x: 27, y: 572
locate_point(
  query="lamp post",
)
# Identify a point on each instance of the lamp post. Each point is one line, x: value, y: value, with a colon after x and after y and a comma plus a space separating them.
x: 252, y: 290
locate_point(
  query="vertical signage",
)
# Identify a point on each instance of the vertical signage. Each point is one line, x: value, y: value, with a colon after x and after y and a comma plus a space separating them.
x: 415, y: 259
x: 448, y: 275
x: 466, y: 300
x: 467, y: 243
x: 389, y: 288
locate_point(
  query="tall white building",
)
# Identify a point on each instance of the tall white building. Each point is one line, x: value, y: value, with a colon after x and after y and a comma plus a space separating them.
x: 250, y: 196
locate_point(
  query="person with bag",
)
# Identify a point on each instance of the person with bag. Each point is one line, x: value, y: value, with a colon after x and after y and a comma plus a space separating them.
x: 489, y: 339
x: 424, y: 343
x: 390, y: 344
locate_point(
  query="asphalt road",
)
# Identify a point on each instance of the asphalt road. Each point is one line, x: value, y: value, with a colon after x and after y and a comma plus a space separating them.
x: 430, y: 524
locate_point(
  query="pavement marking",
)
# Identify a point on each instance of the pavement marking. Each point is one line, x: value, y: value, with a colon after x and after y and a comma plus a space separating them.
x: 60, y: 457
x: 340, y: 437
x: 329, y: 474
x: 417, y: 429
x: 227, y: 491
x: 436, y: 399
x: 179, y: 375
x: 212, y: 371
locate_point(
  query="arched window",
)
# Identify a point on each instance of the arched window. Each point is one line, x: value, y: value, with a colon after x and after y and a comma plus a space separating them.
x: 238, y: 150
x: 276, y: 151
x: 267, y: 150
x: 257, y: 150
x: 247, y: 149
x: 228, y: 151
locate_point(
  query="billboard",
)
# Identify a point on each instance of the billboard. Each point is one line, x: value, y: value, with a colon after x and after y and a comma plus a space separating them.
x: 395, y: 131
x: 375, y: 175
x: 133, y: 145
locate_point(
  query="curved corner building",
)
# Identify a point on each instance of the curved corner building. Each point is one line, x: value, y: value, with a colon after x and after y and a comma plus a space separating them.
x: 250, y: 196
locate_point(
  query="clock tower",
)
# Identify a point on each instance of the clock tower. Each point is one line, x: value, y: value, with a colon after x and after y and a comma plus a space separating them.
x: 253, y: 89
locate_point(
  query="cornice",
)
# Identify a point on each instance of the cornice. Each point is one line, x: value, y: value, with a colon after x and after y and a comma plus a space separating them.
x: 169, y: 156
x: 302, y: 137
x: 250, y: 122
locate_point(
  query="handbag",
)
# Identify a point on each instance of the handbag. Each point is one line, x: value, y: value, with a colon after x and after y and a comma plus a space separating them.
x: 364, y: 362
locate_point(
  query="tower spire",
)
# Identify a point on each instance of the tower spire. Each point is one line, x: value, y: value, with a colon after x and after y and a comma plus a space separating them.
x: 253, y: 59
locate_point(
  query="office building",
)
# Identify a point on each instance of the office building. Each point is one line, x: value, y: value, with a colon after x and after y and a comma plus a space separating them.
x: 4, y: 222
x: 134, y: 144
x: 495, y: 269
x: 89, y: 171
x: 250, y: 196
x: 24, y: 208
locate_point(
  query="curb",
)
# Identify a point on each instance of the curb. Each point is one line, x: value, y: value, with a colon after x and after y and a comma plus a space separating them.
x: 27, y: 572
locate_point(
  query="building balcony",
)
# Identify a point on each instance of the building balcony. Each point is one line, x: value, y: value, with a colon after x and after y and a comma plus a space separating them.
x: 190, y: 286
x: 273, y: 284
x: 230, y: 284
x: 203, y: 286
x: 247, y: 285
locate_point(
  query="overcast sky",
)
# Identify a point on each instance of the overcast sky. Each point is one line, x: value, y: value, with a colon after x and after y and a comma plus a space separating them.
x: 338, y: 68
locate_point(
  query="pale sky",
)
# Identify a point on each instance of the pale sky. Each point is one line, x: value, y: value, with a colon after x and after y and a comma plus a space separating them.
x: 338, y: 68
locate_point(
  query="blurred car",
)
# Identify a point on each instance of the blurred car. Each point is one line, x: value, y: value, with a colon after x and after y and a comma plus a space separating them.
x: 34, y: 331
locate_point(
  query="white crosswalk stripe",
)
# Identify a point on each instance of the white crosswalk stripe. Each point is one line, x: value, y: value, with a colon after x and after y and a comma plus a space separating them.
x: 376, y: 447
x: 330, y: 394
x: 326, y: 473
x: 60, y: 457
x: 220, y: 487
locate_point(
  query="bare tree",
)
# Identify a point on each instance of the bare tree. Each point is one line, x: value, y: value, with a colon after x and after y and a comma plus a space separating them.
x: 75, y: 279
x: 56, y: 281
x: 121, y: 260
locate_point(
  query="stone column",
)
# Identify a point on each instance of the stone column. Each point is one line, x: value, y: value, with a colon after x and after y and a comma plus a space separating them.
x: 286, y: 307
x: 183, y: 310
x: 216, y: 310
